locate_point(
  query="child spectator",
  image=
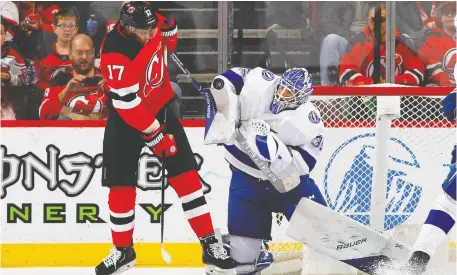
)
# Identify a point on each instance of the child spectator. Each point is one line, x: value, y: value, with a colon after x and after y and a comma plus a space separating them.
x: 65, y: 26
x: 356, y: 67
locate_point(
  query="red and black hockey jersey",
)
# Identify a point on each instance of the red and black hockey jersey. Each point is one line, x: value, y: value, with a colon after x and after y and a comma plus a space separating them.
x: 48, y: 65
x: 137, y: 75
x: 439, y: 55
x: 87, y: 101
x: 357, y: 66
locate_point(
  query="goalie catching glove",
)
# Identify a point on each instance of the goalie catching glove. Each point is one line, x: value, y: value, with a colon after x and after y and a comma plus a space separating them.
x: 268, y: 147
x: 161, y: 143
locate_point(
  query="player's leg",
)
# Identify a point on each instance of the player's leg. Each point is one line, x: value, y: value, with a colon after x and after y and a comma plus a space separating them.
x: 121, y: 148
x: 249, y: 223
x: 183, y: 177
x: 439, y: 222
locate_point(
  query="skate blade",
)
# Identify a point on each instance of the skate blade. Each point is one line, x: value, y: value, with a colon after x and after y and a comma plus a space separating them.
x: 125, y: 267
x: 214, y: 270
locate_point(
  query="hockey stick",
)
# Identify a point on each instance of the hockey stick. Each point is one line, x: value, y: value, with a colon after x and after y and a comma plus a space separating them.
x: 282, y: 185
x: 165, y: 255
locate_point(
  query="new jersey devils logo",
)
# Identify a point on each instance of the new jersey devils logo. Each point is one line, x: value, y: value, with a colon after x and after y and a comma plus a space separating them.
x: 154, y: 73
x: 85, y: 104
x: 398, y: 66
x: 449, y: 60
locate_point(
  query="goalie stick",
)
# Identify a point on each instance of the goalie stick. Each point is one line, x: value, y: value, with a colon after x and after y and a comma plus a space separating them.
x: 368, y: 248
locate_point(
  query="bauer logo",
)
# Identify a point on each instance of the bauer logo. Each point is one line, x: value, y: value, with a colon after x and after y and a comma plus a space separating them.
x: 348, y: 180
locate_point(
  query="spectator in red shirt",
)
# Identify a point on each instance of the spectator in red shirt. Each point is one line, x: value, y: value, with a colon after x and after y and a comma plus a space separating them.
x: 439, y: 49
x: 356, y: 66
x: 76, y: 92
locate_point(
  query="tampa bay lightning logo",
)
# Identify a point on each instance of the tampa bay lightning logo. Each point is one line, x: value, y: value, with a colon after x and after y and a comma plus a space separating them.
x: 314, y: 117
x: 349, y: 176
x: 268, y: 75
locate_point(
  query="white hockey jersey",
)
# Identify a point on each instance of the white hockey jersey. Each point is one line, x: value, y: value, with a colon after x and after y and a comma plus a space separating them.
x: 13, y: 63
x: 301, y: 130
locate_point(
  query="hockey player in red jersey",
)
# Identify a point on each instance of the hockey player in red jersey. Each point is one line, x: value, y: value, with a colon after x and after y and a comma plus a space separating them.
x: 356, y: 66
x: 132, y: 61
x: 439, y: 49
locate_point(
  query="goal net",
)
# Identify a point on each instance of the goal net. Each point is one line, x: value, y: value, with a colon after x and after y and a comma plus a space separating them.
x: 386, y: 153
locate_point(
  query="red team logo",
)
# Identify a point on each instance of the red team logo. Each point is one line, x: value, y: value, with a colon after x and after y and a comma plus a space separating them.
x: 398, y: 66
x: 449, y: 60
x: 154, y: 72
x: 85, y: 104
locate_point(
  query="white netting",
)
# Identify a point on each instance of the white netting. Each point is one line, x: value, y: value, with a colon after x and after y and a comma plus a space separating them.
x: 419, y: 150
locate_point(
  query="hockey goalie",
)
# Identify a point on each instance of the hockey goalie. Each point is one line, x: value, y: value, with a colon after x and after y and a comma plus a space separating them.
x: 273, y: 136
x: 282, y: 128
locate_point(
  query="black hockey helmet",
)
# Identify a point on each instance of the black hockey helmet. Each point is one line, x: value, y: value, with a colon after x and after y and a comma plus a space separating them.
x: 137, y: 14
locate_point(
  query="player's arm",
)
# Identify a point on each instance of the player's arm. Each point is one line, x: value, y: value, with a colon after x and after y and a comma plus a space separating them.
x: 302, y: 133
x: 225, y: 88
x: 350, y: 66
x: 414, y: 73
x: 121, y: 78
x: 231, y: 81
x: 169, y: 31
x: 293, y: 149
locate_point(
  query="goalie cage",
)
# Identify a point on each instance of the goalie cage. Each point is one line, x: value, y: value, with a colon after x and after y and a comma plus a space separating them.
x: 389, y: 139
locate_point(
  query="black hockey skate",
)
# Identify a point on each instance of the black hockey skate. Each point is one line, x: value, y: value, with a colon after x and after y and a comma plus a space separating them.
x: 417, y: 264
x: 216, y: 256
x: 118, y: 261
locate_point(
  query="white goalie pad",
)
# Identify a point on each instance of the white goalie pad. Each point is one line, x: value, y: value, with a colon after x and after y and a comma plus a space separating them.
x: 223, y: 125
x: 339, y: 237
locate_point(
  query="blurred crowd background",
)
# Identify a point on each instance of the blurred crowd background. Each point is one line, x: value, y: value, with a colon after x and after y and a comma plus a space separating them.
x: 333, y: 40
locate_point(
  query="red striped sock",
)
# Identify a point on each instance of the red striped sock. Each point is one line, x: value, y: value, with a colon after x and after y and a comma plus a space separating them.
x: 122, y: 214
x: 189, y: 190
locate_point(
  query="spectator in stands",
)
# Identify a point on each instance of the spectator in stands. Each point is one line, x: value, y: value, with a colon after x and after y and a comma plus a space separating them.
x: 65, y: 26
x: 356, y: 66
x: 439, y: 49
x: 12, y: 76
x: 339, y: 22
x: 76, y: 92
x: 10, y: 13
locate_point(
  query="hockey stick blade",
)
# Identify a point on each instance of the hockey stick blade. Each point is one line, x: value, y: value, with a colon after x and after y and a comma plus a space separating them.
x: 337, y: 236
